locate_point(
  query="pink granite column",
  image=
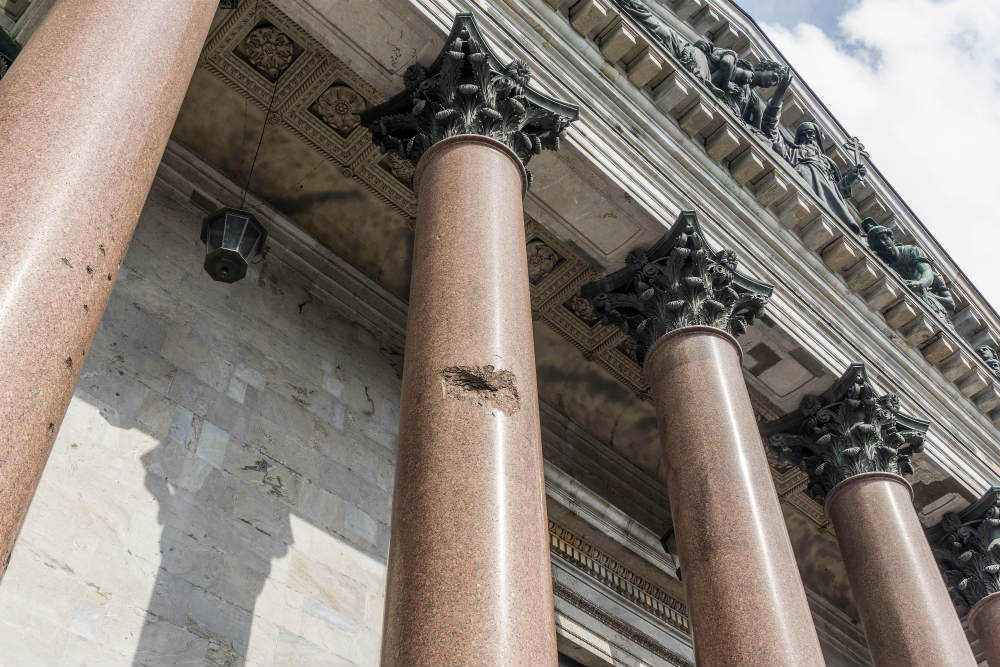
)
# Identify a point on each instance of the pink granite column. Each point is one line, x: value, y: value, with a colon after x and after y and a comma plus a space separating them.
x: 984, y: 619
x: 85, y: 113
x: 906, y: 611
x: 742, y: 585
x: 469, y: 580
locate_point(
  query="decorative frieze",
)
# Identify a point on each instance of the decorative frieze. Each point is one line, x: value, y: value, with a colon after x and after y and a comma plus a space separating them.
x: 679, y: 281
x: 467, y: 91
x: 847, y: 430
x: 967, y: 547
x: 611, y: 573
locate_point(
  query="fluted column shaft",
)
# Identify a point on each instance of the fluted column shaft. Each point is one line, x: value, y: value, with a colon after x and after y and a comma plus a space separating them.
x: 984, y: 618
x: 906, y: 611
x: 85, y: 114
x: 745, y: 598
x: 469, y: 579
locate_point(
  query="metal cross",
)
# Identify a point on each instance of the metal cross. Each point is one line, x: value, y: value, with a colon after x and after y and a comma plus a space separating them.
x: 854, y: 144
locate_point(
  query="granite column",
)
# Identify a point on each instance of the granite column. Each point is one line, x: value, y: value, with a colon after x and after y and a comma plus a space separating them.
x: 683, y: 304
x: 85, y: 114
x: 469, y: 581
x: 855, y: 445
x: 984, y: 619
x: 904, y: 607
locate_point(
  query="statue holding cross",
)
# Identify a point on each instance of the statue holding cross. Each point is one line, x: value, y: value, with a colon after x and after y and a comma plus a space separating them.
x: 855, y: 146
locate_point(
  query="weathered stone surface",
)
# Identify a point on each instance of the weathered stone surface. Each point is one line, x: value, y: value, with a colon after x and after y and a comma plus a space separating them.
x: 226, y: 491
x: 722, y: 144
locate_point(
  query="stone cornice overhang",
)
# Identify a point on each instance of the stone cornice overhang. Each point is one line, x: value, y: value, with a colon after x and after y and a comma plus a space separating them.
x: 638, y: 150
x: 731, y: 27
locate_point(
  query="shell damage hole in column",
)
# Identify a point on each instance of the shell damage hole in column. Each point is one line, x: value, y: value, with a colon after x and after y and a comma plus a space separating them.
x: 484, y: 385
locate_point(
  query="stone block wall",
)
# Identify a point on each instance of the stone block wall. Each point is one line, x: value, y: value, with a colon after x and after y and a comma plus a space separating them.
x: 220, y: 489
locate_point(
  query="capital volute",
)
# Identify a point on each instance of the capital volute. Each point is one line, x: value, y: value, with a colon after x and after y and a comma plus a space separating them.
x: 679, y: 281
x: 466, y: 90
x: 847, y: 430
x: 966, y: 545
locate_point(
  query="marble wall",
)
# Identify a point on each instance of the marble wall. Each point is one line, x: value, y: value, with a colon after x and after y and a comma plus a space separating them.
x: 220, y: 489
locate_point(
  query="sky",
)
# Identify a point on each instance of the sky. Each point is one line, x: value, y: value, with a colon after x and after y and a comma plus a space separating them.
x: 918, y: 82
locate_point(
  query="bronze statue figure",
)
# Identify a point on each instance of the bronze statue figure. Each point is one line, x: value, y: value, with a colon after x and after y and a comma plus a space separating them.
x: 914, y: 267
x: 729, y: 77
x: 807, y: 157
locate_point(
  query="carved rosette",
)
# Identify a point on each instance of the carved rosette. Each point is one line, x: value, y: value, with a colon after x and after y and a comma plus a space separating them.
x: 967, y: 548
x: 269, y: 50
x: 340, y: 107
x: 846, y: 431
x: 467, y: 91
x: 541, y: 261
x: 583, y: 309
x: 677, y: 282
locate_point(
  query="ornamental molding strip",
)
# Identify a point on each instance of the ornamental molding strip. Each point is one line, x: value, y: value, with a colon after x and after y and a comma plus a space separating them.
x: 635, y: 51
x: 677, y: 282
x: 847, y: 430
x: 466, y: 90
x: 598, y: 565
x: 636, y: 636
x: 966, y: 545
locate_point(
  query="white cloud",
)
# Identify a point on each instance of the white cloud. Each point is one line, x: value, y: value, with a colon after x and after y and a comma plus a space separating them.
x: 918, y: 81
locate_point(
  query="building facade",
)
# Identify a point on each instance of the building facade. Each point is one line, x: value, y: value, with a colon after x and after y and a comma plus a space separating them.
x: 551, y: 330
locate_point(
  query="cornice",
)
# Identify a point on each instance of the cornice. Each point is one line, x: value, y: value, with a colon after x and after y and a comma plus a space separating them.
x: 878, y: 197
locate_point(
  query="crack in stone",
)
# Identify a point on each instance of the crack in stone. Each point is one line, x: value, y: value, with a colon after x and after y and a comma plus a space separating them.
x: 484, y: 385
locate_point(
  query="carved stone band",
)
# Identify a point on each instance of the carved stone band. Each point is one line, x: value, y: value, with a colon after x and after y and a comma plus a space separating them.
x: 452, y: 142
x: 693, y: 331
x: 865, y: 476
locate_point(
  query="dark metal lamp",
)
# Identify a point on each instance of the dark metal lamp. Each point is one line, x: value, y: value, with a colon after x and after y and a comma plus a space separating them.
x: 231, y: 238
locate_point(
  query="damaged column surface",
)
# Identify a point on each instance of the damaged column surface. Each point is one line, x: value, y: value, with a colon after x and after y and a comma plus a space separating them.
x: 468, y: 571
x: 967, y: 547
x: 81, y: 136
x: 855, y: 445
x: 683, y: 304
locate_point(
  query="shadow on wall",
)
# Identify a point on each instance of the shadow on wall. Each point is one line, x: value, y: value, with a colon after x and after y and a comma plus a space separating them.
x: 224, y: 476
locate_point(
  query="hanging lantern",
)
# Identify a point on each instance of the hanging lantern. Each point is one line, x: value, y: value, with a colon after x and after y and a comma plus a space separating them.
x: 231, y: 238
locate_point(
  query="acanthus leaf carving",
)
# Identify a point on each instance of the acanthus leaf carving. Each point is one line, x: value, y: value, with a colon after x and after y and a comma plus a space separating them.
x: 966, y: 545
x: 467, y: 91
x: 847, y: 430
x: 677, y: 282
